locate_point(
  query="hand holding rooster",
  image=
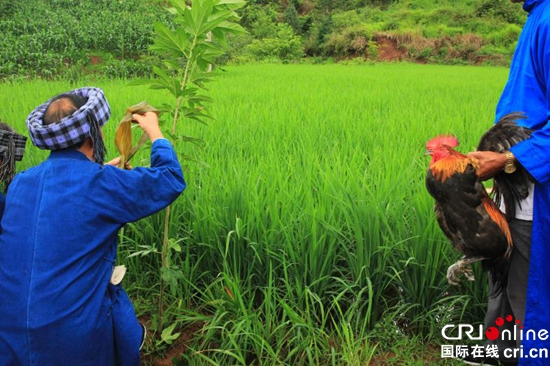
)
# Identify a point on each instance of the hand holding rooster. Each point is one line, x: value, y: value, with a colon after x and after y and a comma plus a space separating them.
x: 490, y: 163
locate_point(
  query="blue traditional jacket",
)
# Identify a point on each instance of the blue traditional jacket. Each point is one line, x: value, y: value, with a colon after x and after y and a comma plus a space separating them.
x: 2, y: 204
x: 57, y: 252
x: 528, y: 91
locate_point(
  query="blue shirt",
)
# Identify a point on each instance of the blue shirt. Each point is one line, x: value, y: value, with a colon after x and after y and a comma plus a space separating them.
x: 527, y: 90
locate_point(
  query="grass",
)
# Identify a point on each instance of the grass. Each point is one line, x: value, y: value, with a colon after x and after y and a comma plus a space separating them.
x: 307, y: 236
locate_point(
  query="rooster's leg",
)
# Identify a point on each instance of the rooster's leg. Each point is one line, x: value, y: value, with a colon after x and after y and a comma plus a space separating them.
x: 462, y: 266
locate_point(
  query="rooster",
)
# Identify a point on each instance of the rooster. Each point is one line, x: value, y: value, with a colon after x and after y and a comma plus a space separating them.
x: 466, y: 214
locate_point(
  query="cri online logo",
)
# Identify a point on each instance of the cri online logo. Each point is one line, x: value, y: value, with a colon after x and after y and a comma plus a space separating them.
x: 513, y: 331
x: 492, y: 332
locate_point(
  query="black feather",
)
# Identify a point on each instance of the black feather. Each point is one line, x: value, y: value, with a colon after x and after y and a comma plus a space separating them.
x: 509, y: 188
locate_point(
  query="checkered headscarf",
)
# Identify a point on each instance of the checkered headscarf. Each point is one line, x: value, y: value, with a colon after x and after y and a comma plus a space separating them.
x: 75, y: 128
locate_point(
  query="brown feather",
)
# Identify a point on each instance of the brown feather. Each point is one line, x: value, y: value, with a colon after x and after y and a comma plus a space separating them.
x: 498, y: 217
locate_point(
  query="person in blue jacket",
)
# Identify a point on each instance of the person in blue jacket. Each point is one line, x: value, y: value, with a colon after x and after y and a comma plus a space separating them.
x: 59, y: 303
x: 527, y: 90
x: 12, y: 148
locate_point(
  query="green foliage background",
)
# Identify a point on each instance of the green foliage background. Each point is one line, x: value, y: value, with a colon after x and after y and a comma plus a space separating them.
x: 63, y: 39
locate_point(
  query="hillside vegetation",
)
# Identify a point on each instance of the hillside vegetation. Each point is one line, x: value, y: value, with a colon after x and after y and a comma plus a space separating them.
x: 63, y: 38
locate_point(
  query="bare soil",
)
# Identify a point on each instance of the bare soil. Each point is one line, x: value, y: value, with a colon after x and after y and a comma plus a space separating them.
x: 388, y: 50
x: 173, y: 351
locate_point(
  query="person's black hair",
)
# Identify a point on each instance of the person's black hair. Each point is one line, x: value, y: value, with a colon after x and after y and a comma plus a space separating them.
x: 4, y: 126
x: 63, y: 106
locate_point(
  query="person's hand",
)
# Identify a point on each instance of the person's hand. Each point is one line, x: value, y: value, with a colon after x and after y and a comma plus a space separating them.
x: 113, y: 162
x: 490, y: 163
x: 116, y: 161
x: 149, y: 123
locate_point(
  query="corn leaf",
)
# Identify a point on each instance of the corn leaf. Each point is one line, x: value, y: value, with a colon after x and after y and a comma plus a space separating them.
x: 123, y: 135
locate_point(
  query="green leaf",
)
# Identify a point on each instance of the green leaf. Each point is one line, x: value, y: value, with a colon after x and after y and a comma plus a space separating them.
x: 179, y: 6
x: 231, y: 4
x: 289, y: 311
x: 147, y: 249
x: 166, y: 108
x: 221, y: 15
x: 219, y: 36
x: 214, y: 20
x: 200, y: 78
x: 169, y: 41
x: 168, y: 82
x: 199, y: 99
x: 197, y: 16
x: 173, y: 64
x: 231, y: 27
x: 167, y: 336
x: 197, y: 117
x: 158, y: 86
x: 174, y: 244
x: 194, y: 140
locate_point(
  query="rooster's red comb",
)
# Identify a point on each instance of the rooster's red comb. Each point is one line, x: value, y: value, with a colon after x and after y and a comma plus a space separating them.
x: 440, y: 140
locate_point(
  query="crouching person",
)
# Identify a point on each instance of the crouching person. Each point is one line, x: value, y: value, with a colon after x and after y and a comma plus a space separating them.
x: 58, y: 301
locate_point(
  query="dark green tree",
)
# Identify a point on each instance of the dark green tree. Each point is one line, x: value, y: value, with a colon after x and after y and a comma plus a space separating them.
x: 291, y: 18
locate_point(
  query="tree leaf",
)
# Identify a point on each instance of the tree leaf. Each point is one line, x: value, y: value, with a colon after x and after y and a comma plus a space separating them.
x: 179, y: 5
x: 214, y: 20
x: 170, y: 83
x: 169, y: 40
x: 232, y: 27
x: 231, y: 4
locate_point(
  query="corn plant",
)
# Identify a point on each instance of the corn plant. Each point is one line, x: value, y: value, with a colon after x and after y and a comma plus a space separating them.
x: 187, y: 51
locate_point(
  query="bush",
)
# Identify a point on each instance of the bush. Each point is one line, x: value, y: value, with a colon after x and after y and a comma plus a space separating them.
x: 502, y: 10
x: 285, y: 46
x: 346, y: 19
x: 352, y: 41
x: 506, y: 37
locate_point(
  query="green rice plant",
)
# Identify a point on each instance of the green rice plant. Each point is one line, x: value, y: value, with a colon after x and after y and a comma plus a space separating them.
x: 309, y: 234
x: 356, y: 347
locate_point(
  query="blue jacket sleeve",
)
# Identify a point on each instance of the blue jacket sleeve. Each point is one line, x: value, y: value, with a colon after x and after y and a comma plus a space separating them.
x: 135, y: 194
x: 2, y: 205
x: 534, y: 153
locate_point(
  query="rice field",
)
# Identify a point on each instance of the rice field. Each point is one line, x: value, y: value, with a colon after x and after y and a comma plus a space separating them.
x: 306, y: 235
